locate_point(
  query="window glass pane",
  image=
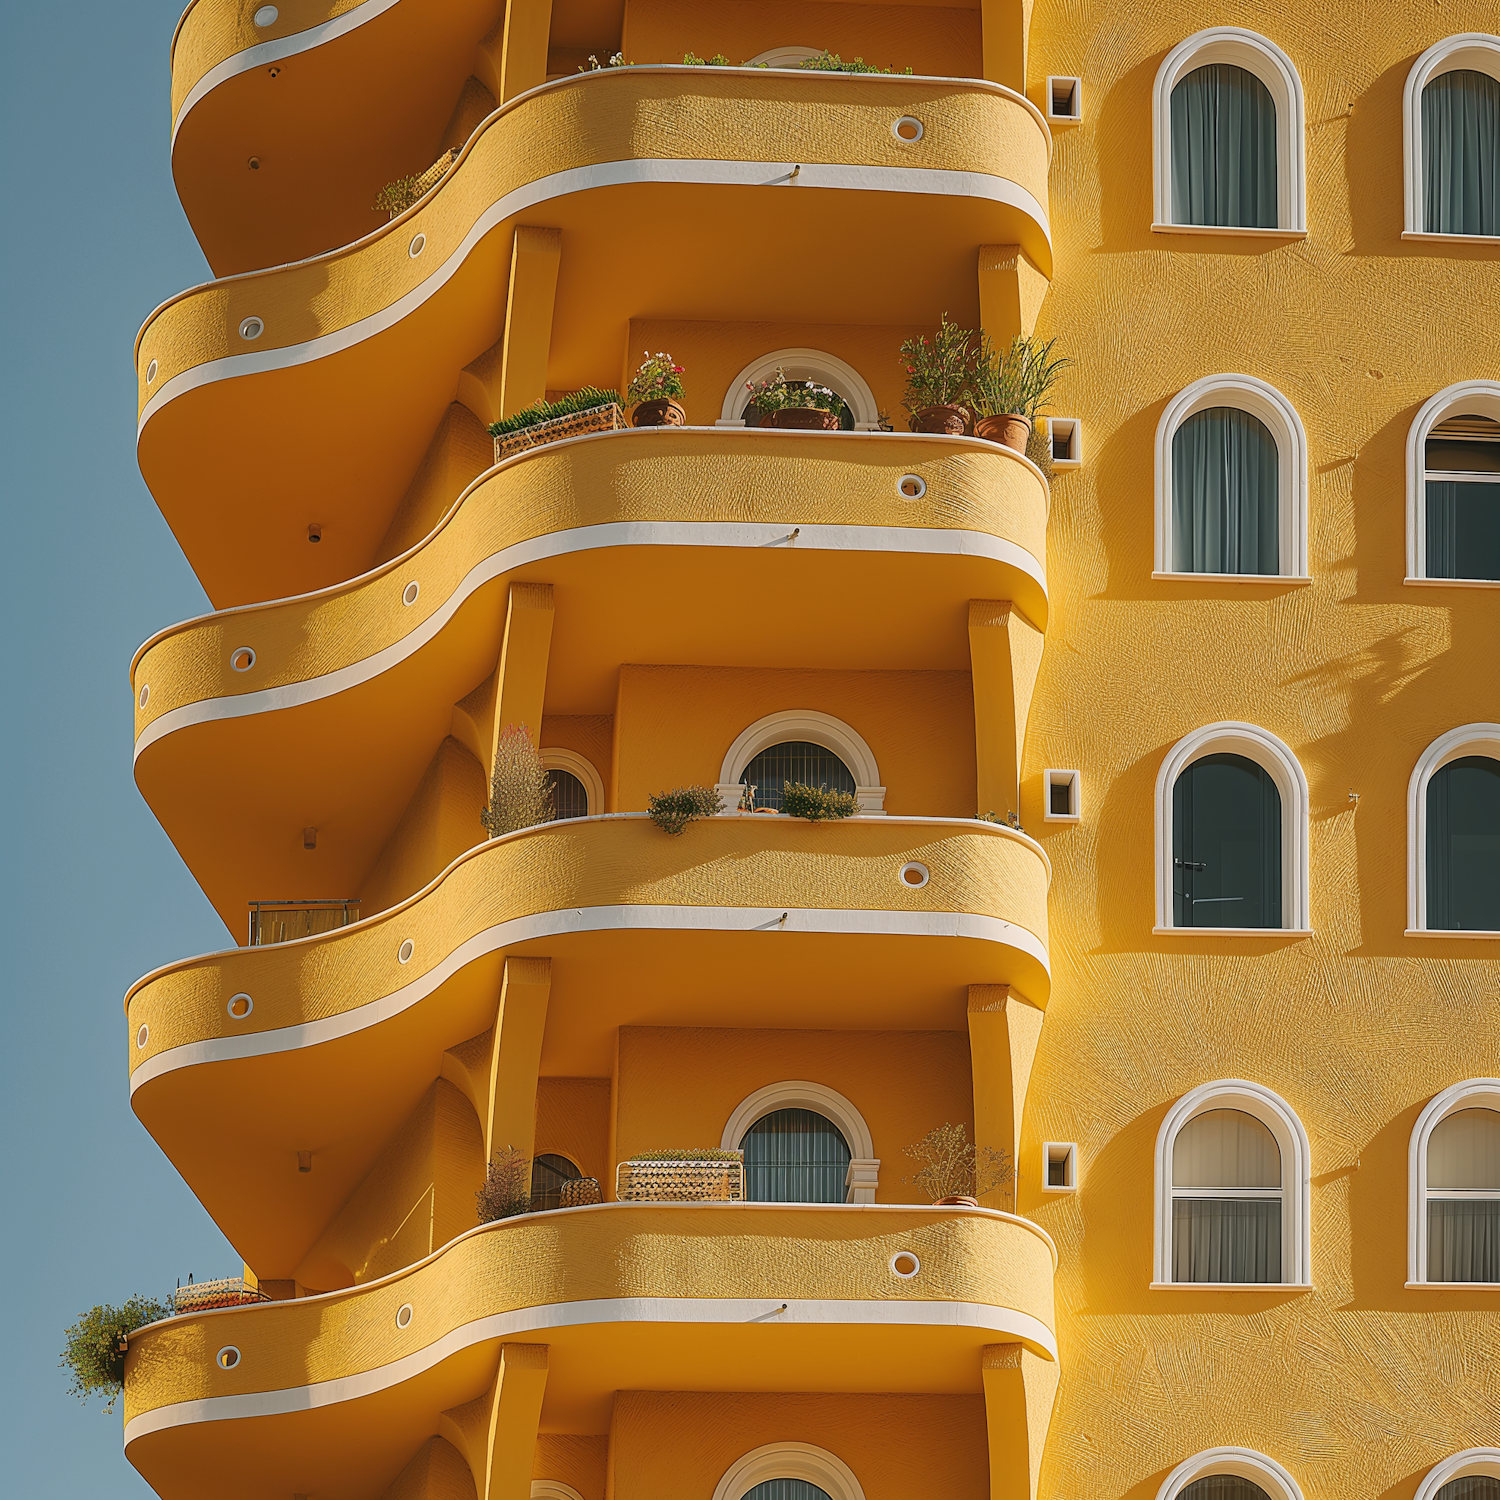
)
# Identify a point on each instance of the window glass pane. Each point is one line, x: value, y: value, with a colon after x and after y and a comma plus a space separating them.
x: 1461, y: 148
x: 1226, y: 845
x: 548, y: 1173
x: 1463, y: 528
x: 1226, y: 1239
x: 1465, y: 444
x: 1463, y: 846
x: 570, y: 798
x: 796, y: 761
x: 795, y: 1156
x: 1226, y: 1148
x: 786, y: 1489
x: 1471, y: 1487
x: 1463, y: 1239
x: 1223, y: 149
x: 1464, y: 1151
x: 1222, y: 1487
x: 1225, y: 508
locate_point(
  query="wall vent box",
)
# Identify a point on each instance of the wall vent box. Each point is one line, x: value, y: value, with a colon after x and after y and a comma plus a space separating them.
x: 1065, y: 100
x: 1064, y: 797
x: 1066, y: 434
x: 1061, y: 1166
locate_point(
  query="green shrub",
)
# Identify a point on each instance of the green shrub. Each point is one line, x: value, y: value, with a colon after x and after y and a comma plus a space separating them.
x: 544, y: 411
x: 507, y: 1187
x: 688, y: 1153
x: 95, y: 1349
x: 1010, y: 820
x: 673, y: 811
x: 831, y: 62
x: 718, y: 60
x: 816, y: 802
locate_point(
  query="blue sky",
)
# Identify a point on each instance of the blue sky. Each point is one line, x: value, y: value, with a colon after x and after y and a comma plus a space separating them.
x: 94, y: 894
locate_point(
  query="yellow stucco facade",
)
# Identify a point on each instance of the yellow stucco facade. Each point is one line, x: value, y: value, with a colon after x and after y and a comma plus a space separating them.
x: 1007, y: 663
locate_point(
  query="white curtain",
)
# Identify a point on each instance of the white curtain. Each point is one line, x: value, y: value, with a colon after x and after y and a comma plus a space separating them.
x: 1226, y: 1148
x: 1464, y: 1151
x: 1226, y: 1239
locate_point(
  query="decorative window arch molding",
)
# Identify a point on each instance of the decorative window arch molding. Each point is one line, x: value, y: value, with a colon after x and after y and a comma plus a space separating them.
x: 1472, y: 1093
x: 553, y: 1489
x: 1245, y: 1463
x: 1258, y: 55
x: 571, y: 760
x: 1478, y: 50
x: 1469, y: 739
x: 782, y: 57
x: 1296, y: 1198
x: 1268, y: 405
x: 1261, y: 746
x: 805, y: 364
x: 817, y: 728
x: 864, y: 1166
x: 1468, y: 397
x: 791, y: 1461
x: 1471, y: 1463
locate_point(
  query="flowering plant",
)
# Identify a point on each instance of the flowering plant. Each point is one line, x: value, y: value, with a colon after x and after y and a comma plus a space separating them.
x: 777, y: 393
x: 1015, y: 382
x: 940, y: 368
x: 658, y: 379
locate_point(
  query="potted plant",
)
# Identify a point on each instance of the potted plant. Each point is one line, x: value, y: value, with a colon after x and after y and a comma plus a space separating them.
x: 954, y: 1173
x: 673, y: 811
x: 815, y: 803
x: 507, y: 1187
x: 653, y: 392
x: 690, y: 1175
x: 520, y: 786
x: 1009, y: 389
x: 586, y: 410
x: 800, y: 404
x: 939, y: 371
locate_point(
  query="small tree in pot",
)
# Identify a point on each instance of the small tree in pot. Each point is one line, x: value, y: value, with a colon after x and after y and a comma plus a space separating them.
x: 939, y: 372
x: 953, y: 1172
x: 1010, y: 389
x: 520, y: 787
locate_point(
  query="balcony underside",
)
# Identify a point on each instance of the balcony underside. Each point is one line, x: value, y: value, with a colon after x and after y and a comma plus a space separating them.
x: 331, y: 1398
x: 339, y: 396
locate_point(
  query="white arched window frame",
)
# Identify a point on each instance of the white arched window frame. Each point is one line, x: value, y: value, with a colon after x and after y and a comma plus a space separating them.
x: 1296, y: 1185
x: 783, y: 57
x: 1258, y: 55
x: 1470, y: 1464
x: 1243, y: 1463
x: 571, y: 760
x: 790, y: 1461
x: 1268, y: 405
x: 1473, y: 1093
x: 816, y: 728
x: 863, y: 1177
x: 804, y: 364
x: 553, y: 1489
x: 1261, y: 746
x: 1475, y: 50
x: 1480, y: 398
x: 1469, y: 739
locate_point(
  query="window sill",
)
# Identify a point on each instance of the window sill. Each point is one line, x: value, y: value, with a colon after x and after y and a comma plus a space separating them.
x: 1453, y: 1286
x: 1452, y: 932
x: 1235, y: 1286
x: 1453, y: 583
x: 1245, y: 932
x: 1249, y: 233
x: 1234, y: 577
x: 1451, y: 239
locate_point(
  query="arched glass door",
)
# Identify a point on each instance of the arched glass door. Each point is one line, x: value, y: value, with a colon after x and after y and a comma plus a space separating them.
x: 1463, y: 846
x: 1226, y: 845
x: 795, y: 1156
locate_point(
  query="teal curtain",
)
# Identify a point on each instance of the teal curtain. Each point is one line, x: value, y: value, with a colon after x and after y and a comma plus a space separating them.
x: 786, y: 1489
x: 1461, y: 151
x: 797, y: 761
x: 1463, y: 846
x: 1222, y: 1487
x: 1223, y: 149
x: 1225, y: 501
x: 1463, y: 1239
x: 1226, y: 1239
x: 1471, y: 1487
x: 1226, y: 845
x: 795, y: 1156
x: 1463, y: 529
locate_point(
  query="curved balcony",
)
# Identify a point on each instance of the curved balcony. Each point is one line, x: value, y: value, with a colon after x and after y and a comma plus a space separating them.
x: 333, y: 99
x: 330, y: 1393
x: 637, y: 532
x: 323, y: 415
x: 754, y: 921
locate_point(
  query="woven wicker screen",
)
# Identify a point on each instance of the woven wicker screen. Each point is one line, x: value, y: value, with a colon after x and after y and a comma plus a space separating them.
x: 680, y: 1182
x: 596, y: 419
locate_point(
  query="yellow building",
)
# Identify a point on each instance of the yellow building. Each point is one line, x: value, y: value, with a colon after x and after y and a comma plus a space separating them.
x: 1217, y: 975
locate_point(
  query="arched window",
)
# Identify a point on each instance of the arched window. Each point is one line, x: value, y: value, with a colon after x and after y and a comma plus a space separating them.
x: 1231, y: 482
x: 789, y: 1471
x: 1229, y: 1474
x: 1233, y: 1186
x: 1227, y: 115
x: 1453, y: 1219
x: 1451, y: 118
x: 797, y: 761
x: 1453, y: 487
x: 1231, y: 836
x: 862, y: 411
x: 803, y: 1143
x: 577, y: 790
x: 570, y: 799
x: 548, y: 1173
x: 1453, y: 835
x: 1473, y: 1474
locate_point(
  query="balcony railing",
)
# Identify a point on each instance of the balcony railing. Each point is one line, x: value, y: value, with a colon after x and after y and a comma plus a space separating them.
x: 282, y: 921
x: 202, y: 1296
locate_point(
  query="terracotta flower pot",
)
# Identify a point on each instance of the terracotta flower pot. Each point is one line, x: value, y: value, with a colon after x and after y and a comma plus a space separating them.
x: 952, y: 420
x: 960, y: 1201
x: 803, y: 418
x: 662, y: 413
x: 1012, y: 431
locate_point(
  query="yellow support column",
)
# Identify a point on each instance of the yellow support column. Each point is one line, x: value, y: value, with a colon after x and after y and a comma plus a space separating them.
x: 523, y: 48
x: 1011, y: 292
x: 1019, y: 1389
x: 497, y: 1433
x: 1003, y: 1033
x: 1006, y: 25
x: 516, y: 1055
x: 514, y: 694
x: 535, y: 257
x: 1005, y: 654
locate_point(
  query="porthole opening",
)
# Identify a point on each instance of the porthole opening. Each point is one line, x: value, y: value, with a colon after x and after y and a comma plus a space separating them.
x: 242, y: 658
x: 905, y: 1265
x: 417, y: 246
x: 403, y: 1315
x: 915, y: 875
x: 266, y: 15
x: 227, y: 1357
x: 252, y: 328
x: 410, y: 592
x: 151, y: 372
x: 908, y: 129
x: 142, y: 1034
x: 240, y: 1006
x: 405, y: 951
x: 144, y: 696
x: 254, y: 164
x: 911, y: 486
